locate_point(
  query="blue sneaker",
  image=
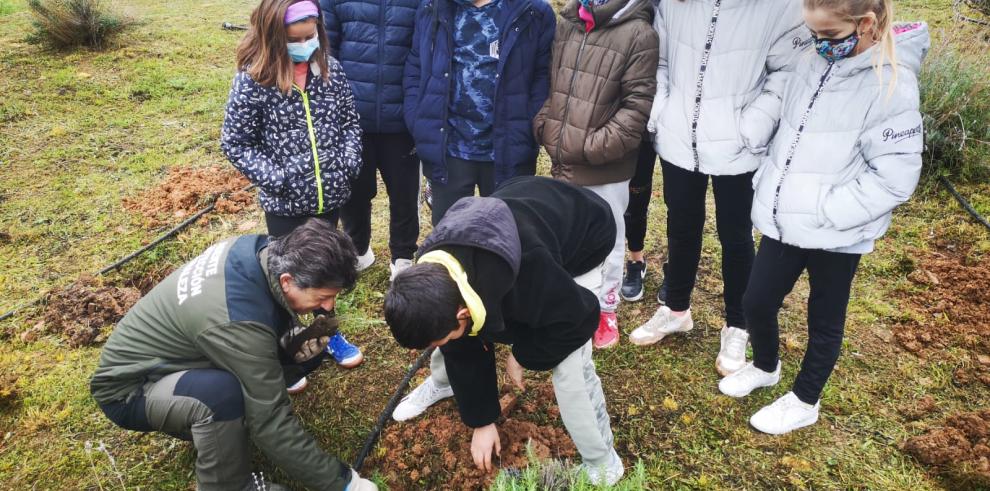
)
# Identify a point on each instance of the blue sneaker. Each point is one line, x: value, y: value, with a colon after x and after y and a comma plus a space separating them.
x: 345, y: 354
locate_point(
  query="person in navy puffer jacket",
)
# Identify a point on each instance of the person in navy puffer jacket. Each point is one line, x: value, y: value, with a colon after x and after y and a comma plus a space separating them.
x: 371, y: 39
x: 477, y: 74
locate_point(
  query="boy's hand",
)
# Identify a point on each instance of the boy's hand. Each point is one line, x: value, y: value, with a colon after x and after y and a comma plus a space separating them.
x: 481, y: 446
x: 515, y: 372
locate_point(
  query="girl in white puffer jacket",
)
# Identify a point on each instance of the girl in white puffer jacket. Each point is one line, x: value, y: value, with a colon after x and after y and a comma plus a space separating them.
x: 847, y: 152
x: 719, y: 81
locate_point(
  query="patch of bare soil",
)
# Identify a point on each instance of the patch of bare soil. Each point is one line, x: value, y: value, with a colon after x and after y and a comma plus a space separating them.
x: 961, y: 448
x: 188, y: 190
x: 434, y: 451
x: 80, y: 310
x: 955, y: 308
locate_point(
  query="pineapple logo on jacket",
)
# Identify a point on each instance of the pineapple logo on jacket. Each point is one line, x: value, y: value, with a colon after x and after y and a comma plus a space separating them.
x: 899, y: 136
x: 195, y: 273
x: 801, y: 42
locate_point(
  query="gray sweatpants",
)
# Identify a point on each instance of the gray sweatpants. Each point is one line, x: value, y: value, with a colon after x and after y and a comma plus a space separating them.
x: 616, y: 195
x: 578, y: 390
x: 223, y: 459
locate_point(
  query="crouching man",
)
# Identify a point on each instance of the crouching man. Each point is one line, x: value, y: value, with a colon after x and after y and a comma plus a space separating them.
x: 522, y: 267
x: 203, y: 356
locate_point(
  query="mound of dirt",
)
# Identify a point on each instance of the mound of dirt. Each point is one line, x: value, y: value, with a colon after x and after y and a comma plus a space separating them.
x: 954, y: 307
x: 434, y: 451
x: 961, y: 448
x: 923, y: 407
x: 81, y: 309
x: 188, y: 190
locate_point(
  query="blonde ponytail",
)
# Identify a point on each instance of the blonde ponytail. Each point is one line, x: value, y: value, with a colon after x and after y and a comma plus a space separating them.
x: 886, y: 53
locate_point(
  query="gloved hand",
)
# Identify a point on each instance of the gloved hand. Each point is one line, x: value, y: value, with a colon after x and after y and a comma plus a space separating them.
x: 305, y: 342
x: 311, y: 348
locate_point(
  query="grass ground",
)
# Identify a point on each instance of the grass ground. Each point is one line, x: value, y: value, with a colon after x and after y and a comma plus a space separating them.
x: 80, y: 131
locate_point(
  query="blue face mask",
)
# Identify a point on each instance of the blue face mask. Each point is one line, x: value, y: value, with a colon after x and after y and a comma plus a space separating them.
x: 301, y: 52
x: 836, y: 49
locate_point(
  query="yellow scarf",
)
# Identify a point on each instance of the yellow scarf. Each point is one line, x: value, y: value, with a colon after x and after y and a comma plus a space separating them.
x: 474, y: 304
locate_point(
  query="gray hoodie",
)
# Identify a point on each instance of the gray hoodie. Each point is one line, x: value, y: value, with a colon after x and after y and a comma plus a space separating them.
x: 846, y: 153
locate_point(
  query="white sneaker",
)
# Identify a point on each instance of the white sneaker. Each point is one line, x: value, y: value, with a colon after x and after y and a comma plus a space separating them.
x: 662, y: 323
x: 785, y: 415
x: 358, y: 483
x: 399, y: 266
x: 732, y: 353
x: 605, y: 475
x: 746, y: 379
x: 364, y: 261
x: 422, y: 397
x: 298, y: 386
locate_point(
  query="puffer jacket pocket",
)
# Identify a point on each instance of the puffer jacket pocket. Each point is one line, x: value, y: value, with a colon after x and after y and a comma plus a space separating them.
x: 800, y: 193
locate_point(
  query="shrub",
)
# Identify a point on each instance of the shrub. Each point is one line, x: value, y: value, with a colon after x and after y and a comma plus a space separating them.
x: 955, y: 101
x: 73, y: 23
x: 556, y: 475
x: 981, y: 6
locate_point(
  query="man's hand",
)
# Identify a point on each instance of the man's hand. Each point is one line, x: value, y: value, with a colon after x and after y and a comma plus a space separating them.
x: 481, y: 446
x: 515, y: 372
x: 311, y: 348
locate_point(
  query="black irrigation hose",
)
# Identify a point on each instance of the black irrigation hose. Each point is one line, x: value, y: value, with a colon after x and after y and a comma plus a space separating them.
x: 128, y: 258
x: 962, y: 201
x: 369, y: 442
x: 962, y: 16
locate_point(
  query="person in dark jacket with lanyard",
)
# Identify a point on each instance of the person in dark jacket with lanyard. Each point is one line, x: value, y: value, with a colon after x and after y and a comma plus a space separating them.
x: 475, y: 77
x: 521, y: 267
x: 206, y: 354
x: 371, y: 40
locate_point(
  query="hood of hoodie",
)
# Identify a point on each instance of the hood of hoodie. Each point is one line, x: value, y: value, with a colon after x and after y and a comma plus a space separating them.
x: 481, y: 233
x: 612, y: 13
x: 911, y: 42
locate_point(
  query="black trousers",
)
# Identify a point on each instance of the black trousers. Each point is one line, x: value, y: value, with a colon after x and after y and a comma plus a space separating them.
x: 279, y: 225
x: 640, y: 192
x: 463, y: 176
x: 394, y: 156
x: 684, y: 194
x: 776, y: 269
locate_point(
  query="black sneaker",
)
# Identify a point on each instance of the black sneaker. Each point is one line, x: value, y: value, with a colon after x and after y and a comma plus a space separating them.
x: 662, y: 292
x: 632, y: 284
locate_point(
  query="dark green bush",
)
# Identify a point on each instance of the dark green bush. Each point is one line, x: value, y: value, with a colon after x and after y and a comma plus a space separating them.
x: 955, y: 101
x: 981, y: 6
x: 73, y: 23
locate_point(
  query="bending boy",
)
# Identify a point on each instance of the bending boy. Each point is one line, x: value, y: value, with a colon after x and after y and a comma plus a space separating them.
x: 522, y: 267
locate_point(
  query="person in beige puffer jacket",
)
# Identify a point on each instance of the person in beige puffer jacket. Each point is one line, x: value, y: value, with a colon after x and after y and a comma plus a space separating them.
x: 602, y: 83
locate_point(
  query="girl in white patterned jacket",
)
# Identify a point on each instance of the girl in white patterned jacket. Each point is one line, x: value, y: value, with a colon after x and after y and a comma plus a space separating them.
x: 847, y: 152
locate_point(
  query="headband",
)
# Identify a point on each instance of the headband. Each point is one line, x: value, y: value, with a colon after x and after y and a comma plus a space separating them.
x: 299, y: 11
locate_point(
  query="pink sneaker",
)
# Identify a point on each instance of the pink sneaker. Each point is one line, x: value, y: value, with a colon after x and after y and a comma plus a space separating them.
x: 607, y: 334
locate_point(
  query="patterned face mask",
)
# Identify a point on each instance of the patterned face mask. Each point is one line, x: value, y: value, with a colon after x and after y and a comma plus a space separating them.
x: 836, y: 49
x: 589, y: 4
